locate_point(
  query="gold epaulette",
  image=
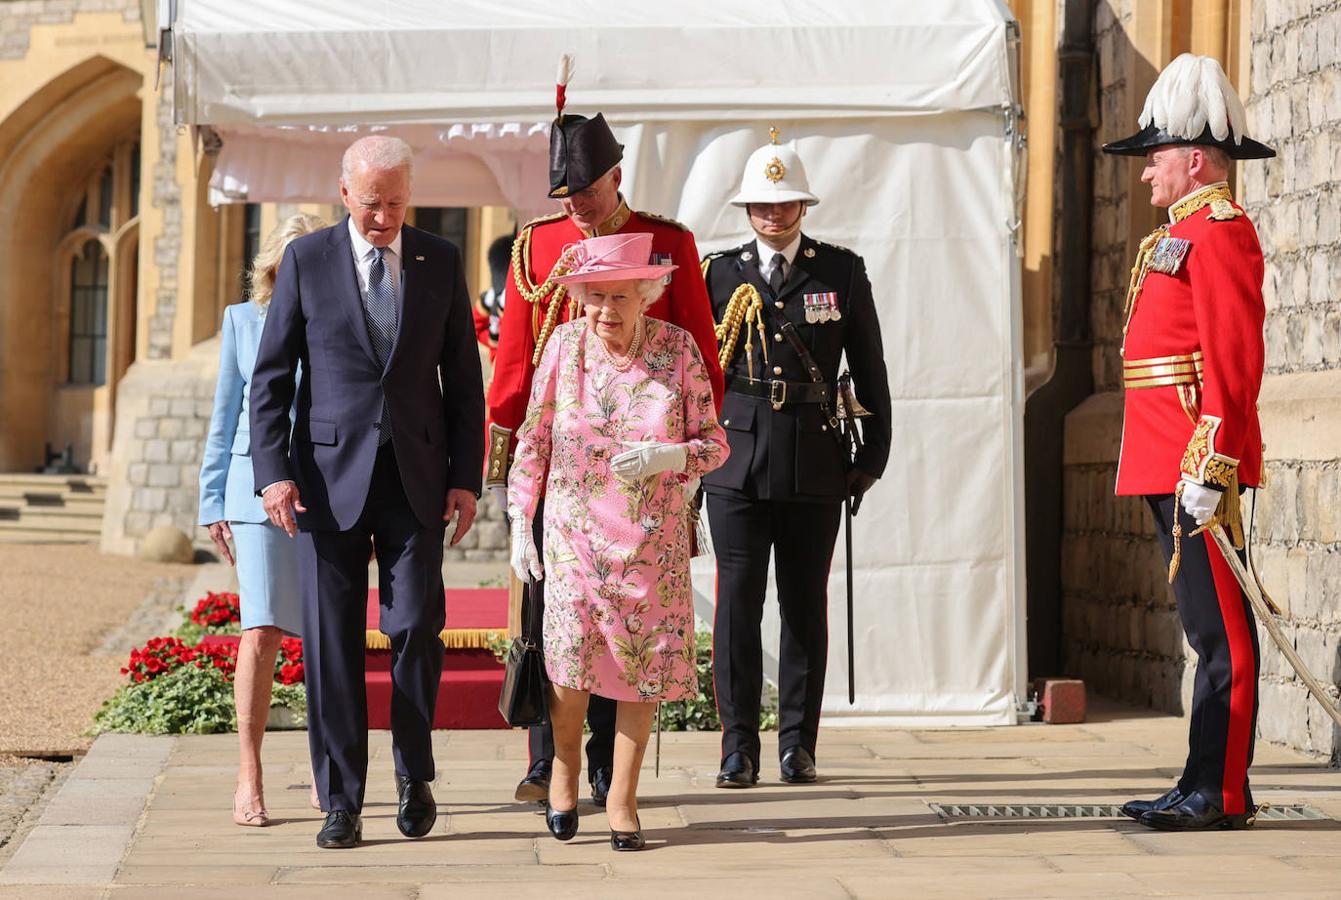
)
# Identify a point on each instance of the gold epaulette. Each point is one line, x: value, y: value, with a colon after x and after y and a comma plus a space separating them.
x: 521, y: 252
x: 541, y: 220
x: 1224, y: 211
x: 669, y: 221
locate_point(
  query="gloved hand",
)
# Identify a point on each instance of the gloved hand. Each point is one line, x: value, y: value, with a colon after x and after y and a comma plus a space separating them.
x: 1200, y: 501
x: 858, y: 483
x: 500, y: 495
x: 525, y: 559
x: 690, y: 492
x: 646, y: 458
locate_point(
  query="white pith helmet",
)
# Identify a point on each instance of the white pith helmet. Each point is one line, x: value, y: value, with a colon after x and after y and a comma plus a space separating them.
x: 774, y: 174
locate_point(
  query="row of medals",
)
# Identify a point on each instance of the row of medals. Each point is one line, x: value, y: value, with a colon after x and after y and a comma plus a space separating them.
x: 823, y: 309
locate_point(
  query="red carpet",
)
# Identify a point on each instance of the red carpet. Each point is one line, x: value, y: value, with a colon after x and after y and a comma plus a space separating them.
x: 471, y: 677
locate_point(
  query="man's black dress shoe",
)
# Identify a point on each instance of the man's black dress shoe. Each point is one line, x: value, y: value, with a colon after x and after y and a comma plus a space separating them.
x: 343, y: 829
x: 1136, y: 808
x: 737, y: 772
x: 628, y: 840
x: 534, y: 788
x: 417, y: 811
x: 798, y: 766
x: 1197, y: 813
x: 600, y: 784
x: 563, y: 825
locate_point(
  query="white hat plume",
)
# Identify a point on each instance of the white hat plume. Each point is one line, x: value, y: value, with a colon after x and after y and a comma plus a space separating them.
x: 1191, y: 93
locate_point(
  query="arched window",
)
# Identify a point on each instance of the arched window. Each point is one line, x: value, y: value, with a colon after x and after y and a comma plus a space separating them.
x: 88, y: 315
x: 102, y: 218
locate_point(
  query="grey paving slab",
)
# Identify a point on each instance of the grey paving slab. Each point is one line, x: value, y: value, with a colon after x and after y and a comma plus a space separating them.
x: 68, y: 854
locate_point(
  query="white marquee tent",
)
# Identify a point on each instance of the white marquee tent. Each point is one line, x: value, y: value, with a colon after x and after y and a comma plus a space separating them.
x: 904, y: 112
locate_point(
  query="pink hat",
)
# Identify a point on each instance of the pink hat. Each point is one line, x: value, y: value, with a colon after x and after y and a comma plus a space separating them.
x: 614, y: 257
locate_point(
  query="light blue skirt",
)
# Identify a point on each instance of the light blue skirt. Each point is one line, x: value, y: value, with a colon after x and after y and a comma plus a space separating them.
x: 267, y: 575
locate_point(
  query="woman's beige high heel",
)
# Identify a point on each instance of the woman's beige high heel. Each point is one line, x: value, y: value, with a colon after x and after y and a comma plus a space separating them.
x: 253, y: 818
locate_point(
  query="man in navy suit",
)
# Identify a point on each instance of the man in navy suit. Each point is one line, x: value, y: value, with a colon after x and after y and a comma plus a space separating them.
x: 388, y: 445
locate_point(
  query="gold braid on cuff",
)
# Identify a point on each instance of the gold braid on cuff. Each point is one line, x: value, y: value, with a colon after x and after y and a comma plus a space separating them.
x: 500, y: 446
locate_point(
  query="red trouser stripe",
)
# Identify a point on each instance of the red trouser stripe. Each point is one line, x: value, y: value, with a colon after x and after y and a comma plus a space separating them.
x: 1243, y: 679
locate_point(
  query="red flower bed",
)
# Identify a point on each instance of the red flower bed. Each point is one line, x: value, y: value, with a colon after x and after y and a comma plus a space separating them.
x: 220, y: 656
x: 289, y: 663
x: 164, y: 654
x: 160, y: 655
x: 216, y: 610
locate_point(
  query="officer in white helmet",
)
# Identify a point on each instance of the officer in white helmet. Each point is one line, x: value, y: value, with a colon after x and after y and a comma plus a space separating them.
x: 788, y: 309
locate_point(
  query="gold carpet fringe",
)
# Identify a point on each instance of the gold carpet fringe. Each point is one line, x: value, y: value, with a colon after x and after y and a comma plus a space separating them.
x: 452, y: 638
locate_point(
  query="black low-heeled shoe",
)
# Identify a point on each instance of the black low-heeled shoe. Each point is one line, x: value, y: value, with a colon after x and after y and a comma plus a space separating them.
x: 562, y: 824
x: 628, y: 840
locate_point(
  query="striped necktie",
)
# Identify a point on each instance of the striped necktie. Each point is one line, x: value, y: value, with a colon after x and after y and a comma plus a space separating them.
x: 379, y: 307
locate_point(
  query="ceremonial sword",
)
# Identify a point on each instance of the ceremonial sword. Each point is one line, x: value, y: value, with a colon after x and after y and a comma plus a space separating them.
x: 1268, y: 617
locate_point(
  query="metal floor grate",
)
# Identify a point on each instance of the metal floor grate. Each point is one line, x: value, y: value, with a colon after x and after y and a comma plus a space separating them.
x: 1271, y: 813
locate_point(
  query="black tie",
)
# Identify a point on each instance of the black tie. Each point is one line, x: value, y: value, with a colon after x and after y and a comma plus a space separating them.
x: 776, y: 278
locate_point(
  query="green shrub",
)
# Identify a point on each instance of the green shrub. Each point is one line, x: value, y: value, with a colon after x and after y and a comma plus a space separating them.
x: 188, y: 700
x: 700, y: 714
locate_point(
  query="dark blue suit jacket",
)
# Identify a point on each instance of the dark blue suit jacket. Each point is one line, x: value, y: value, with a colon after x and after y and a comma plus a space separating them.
x: 316, y: 317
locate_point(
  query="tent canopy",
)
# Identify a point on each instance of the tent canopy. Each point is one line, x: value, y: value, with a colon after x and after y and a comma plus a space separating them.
x: 378, y: 61
x: 900, y: 110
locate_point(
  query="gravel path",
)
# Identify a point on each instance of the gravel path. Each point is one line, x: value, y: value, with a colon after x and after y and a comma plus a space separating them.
x: 58, y: 605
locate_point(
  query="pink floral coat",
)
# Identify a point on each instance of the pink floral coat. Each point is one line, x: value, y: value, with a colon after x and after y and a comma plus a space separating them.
x: 619, y: 608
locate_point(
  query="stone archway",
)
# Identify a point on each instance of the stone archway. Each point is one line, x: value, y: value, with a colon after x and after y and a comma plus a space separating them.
x: 49, y: 143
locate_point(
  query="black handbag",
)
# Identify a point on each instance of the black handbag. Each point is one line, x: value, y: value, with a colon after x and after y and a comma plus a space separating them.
x: 524, y: 699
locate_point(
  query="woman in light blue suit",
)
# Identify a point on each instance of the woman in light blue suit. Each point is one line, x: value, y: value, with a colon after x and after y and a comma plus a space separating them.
x: 266, y: 557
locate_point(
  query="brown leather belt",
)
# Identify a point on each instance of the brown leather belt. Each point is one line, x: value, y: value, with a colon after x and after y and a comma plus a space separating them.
x: 780, y: 393
x: 1162, y: 371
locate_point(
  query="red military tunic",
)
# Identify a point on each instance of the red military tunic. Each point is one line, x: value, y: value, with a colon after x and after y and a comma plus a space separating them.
x: 528, y: 320
x: 1193, y: 351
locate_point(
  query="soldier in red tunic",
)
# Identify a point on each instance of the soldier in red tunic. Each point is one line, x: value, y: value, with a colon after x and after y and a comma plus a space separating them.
x: 585, y: 178
x: 1192, y: 359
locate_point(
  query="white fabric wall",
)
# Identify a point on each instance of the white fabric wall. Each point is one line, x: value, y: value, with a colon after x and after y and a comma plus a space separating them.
x: 937, y: 554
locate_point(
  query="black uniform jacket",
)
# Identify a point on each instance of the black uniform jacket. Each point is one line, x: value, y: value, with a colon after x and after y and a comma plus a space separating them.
x: 791, y: 454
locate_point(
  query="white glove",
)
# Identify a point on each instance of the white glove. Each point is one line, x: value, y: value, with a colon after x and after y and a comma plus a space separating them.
x: 1200, y: 501
x: 500, y: 494
x: 525, y: 560
x: 646, y: 458
x: 690, y: 489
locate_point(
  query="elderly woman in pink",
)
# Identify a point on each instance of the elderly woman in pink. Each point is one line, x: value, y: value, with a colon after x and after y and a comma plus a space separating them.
x: 621, y: 420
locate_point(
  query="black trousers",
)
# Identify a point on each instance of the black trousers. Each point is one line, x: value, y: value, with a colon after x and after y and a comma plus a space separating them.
x: 1222, y: 630
x: 333, y: 574
x: 801, y: 538
x: 600, y: 710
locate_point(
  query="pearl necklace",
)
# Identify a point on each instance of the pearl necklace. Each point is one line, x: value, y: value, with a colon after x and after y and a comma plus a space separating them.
x: 623, y: 363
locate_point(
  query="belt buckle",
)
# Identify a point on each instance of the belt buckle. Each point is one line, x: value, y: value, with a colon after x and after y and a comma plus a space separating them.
x: 777, y: 394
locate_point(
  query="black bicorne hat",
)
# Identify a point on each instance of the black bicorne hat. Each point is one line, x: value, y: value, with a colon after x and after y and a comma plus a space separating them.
x: 1190, y: 102
x: 581, y: 150
x: 1150, y: 136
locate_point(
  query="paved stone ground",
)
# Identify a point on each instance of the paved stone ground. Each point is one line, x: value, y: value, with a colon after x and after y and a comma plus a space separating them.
x: 24, y: 783
x: 148, y: 818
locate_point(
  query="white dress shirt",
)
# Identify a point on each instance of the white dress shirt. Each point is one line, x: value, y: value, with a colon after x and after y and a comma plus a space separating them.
x: 363, y: 257
x: 766, y: 253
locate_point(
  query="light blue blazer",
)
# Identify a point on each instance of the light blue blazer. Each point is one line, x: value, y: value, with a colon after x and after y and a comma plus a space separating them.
x: 227, y: 489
